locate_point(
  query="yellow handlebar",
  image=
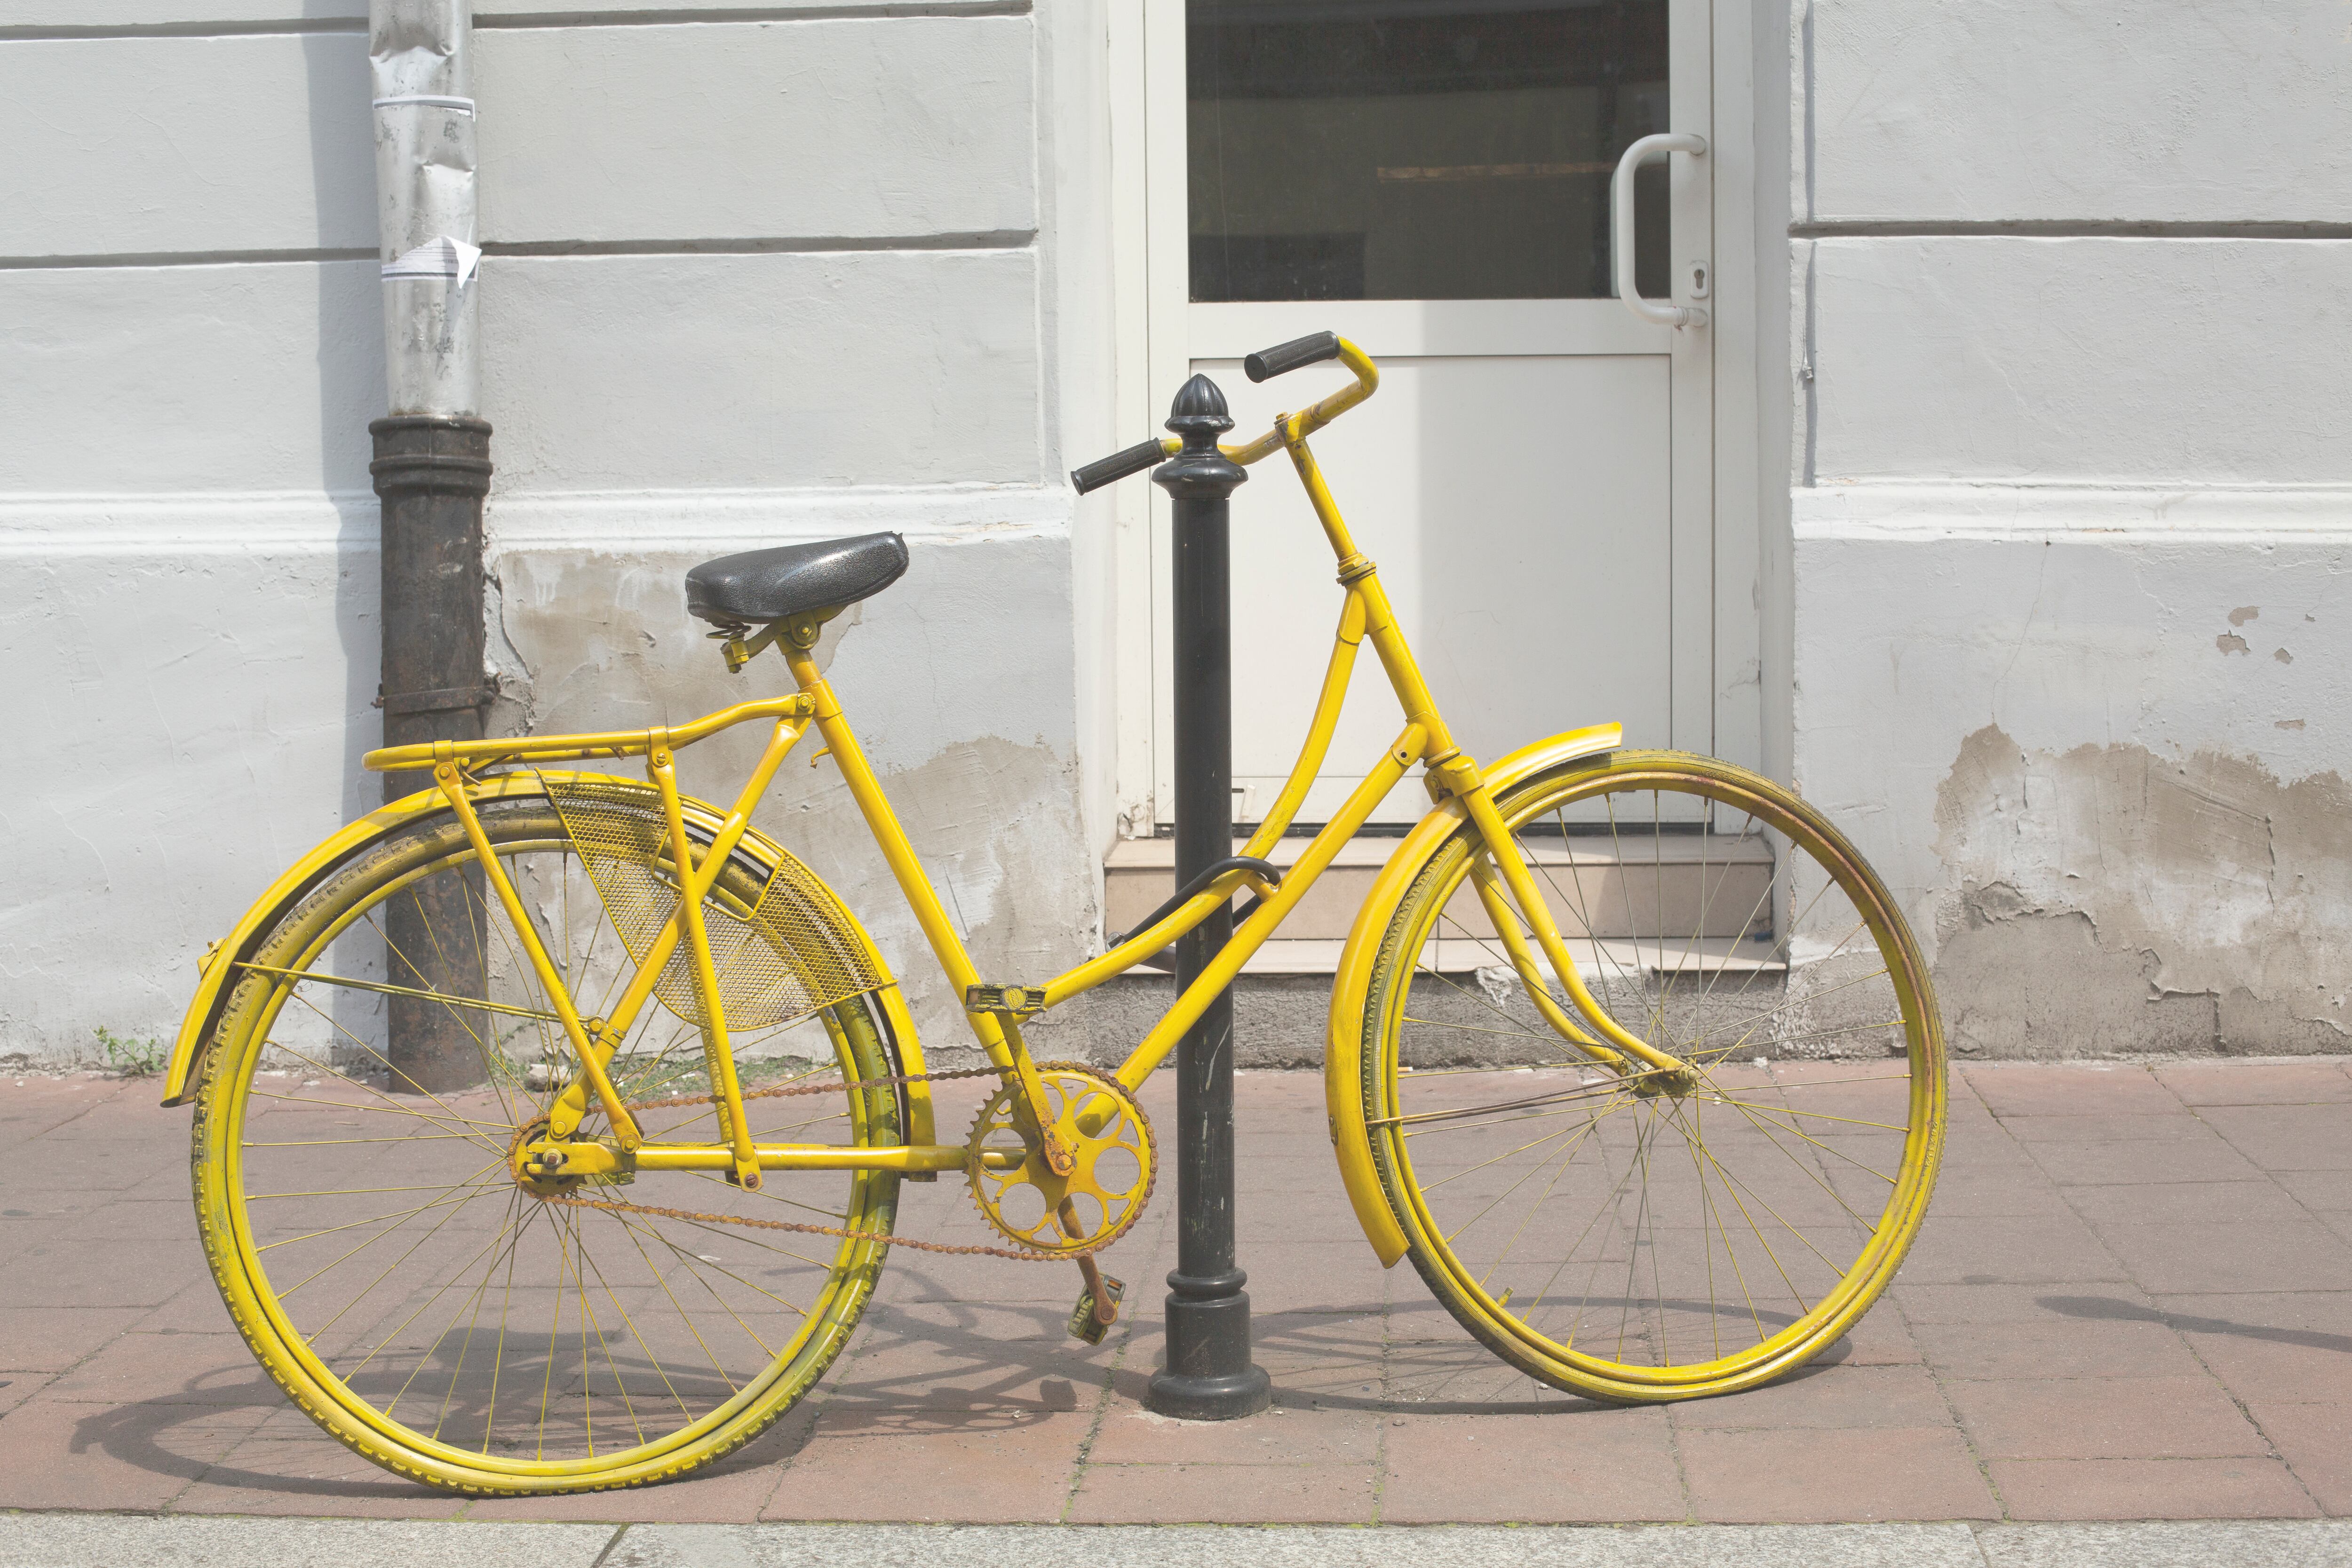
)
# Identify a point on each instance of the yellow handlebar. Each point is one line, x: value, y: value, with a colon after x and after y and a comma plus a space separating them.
x: 1299, y: 427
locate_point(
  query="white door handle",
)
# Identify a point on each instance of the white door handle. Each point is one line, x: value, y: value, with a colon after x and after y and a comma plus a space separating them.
x: 1621, y: 227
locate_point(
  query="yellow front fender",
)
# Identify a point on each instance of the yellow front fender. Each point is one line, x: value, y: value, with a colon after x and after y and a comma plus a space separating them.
x: 1343, y: 1045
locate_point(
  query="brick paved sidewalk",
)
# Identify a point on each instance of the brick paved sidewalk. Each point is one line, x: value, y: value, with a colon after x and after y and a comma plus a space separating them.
x: 2133, y: 1299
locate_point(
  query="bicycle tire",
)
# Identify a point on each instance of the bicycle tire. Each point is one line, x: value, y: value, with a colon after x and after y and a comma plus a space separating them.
x: 372, y: 1312
x: 1783, y: 1185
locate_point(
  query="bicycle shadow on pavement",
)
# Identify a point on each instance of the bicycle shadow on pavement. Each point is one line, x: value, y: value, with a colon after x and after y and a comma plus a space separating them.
x: 932, y: 1366
x: 220, y: 1434
x: 2106, y: 1308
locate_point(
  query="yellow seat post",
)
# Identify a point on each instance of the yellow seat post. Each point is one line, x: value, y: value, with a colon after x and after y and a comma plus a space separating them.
x: 999, y: 1036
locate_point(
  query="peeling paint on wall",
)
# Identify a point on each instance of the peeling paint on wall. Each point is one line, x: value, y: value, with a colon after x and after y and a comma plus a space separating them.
x: 968, y: 715
x: 2106, y: 899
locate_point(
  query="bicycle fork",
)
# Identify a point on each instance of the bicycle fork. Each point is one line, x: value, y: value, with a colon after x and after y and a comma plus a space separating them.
x: 1505, y: 871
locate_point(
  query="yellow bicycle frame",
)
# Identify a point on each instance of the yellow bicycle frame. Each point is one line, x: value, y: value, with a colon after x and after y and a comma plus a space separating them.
x: 1502, y: 883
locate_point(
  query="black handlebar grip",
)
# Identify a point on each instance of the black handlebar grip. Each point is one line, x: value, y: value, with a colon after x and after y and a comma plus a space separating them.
x: 1268, y: 363
x: 1117, y: 466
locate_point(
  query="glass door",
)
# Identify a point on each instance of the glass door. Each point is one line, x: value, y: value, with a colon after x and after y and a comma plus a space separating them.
x: 1431, y: 178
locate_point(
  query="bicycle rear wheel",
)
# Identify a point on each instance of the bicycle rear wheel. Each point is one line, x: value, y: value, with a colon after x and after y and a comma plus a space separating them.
x: 1616, y: 1235
x: 369, y: 1235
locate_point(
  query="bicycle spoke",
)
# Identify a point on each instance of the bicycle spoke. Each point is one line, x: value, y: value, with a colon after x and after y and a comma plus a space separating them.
x: 1667, y: 1219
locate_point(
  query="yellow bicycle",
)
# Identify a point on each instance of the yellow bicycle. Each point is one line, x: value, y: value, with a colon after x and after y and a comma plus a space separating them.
x: 1629, y: 1052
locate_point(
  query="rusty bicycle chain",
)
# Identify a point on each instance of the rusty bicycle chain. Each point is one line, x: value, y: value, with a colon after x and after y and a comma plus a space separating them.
x: 705, y: 1216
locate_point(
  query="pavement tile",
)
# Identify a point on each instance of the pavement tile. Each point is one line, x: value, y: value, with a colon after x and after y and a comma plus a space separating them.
x: 51, y: 1339
x: 2056, y: 1347
x: 1131, y: 1435
x: 944, y: 1277
x: 2181, y: 1126
x: 16, y: 1387
x: 2142, y: 1164
x: 1461, y: 1377
x: 2271, y: 1083
x: 54, y: 1267
x: 309, y: 1477
x: 2244, y: 1488
x: 1586, y: 1464
x: 195, y: 1308
x: 60, y: 1171
x: 2322, y: 1191
x: 1316, y: 1276
x: 1852, y: 1475
x: 1844, y: 1398
x: 966, y: 1355
x: 734, y: 1488
x: 36, y: 1105
x: 1279, y: 1187
x: 2287, y: 1137
x: 134, y: 1219
x: 2271, y: 1254
x: 2315, y: 1440
x: 963, y: 1391
x: 2025, y: 1250
x: 2103, y: 1418
x: 1997, y: 1303
x: 2256, y: 1202
x: 1881, y: 1339
x: 1225, y: 1494
x: 1283, y: 1341
x: 95, y: 1456
x: 990, y: 1468
x: 2006, y: 1191
x: 2038, y: 1091
x: 170, y: 1368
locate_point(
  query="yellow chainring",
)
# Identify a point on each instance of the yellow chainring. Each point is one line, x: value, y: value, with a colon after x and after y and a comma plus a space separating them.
x: 1105, y: 1190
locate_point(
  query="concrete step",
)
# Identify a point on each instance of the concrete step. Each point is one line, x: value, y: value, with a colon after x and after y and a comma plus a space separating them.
x: 1609, y: 896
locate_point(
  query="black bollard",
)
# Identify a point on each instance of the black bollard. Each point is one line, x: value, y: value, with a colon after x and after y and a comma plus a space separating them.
x: 1209, y: 1376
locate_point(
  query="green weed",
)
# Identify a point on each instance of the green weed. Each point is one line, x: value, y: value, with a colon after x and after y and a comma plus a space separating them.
x: 131, y: 1059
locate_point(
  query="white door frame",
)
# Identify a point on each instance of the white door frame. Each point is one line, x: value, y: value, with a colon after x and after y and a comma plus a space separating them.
x: 1718, y: 545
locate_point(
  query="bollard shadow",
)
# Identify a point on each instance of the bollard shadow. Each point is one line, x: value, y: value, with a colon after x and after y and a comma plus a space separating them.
x: 933, y: 1367
x: 2106, y: 1308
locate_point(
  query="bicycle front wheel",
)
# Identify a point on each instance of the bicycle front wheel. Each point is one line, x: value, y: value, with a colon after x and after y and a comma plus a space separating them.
x: 352, y: 1159
x: 1628, y: 1237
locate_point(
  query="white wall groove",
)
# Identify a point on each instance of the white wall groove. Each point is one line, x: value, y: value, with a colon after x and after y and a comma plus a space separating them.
x: 37, y: 20
x: 2179, y: 513
x: 2064, y: 228
x: 266, y: 522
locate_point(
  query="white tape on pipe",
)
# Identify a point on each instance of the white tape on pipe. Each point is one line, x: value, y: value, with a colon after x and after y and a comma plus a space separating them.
x: 425, y: 100
x: 440, y: 256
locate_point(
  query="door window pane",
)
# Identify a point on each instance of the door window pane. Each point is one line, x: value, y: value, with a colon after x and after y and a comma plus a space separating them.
x: 1419, y: 148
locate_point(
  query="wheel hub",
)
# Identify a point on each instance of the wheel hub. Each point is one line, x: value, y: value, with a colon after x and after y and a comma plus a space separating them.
x: 539, y: 1170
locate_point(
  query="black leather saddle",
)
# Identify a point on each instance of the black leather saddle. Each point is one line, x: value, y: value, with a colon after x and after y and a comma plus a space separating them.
x: 761, y: 586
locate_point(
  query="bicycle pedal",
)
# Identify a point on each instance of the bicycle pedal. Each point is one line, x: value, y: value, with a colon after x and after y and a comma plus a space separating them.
x: 1089, y: 1323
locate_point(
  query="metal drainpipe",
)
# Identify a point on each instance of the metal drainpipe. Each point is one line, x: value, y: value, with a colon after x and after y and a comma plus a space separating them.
x: 432, y: 470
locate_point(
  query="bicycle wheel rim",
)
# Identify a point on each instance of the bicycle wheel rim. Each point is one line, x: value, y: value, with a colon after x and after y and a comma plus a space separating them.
x: 1832, y: 1286
x: 759, y: 1382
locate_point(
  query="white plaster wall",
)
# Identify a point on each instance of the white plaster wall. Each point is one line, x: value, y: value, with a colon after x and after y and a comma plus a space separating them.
x: 2074, y: 110
x: 2071, y: 511
x: 749, y: 282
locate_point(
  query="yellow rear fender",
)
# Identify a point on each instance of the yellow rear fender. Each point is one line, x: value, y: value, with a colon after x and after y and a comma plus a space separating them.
x: 1343, y: 1045
x: 218, y: 968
